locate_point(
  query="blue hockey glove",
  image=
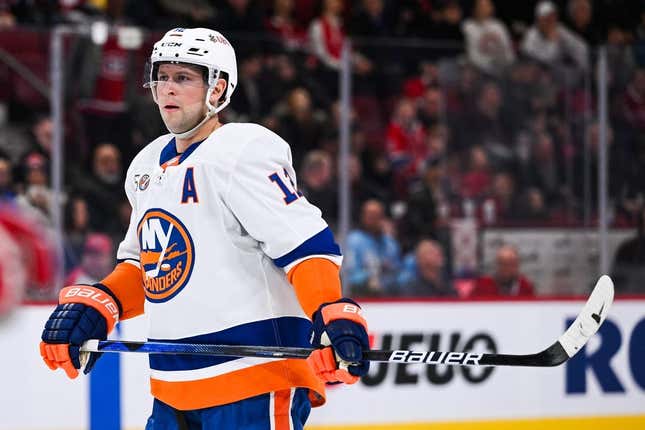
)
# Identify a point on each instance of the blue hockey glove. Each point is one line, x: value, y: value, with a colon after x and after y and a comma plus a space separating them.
x: 341, y: 334
x: 84, y: 312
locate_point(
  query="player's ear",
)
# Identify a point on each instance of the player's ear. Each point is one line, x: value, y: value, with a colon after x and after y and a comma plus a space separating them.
x: 218, y: 91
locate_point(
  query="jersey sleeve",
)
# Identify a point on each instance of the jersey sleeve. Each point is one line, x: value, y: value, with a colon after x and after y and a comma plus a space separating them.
x: 263, y: 195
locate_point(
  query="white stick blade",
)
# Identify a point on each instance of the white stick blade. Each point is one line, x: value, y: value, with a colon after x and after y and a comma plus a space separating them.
x: 591, y: 317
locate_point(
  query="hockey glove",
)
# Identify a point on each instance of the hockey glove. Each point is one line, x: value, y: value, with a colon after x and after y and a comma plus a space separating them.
x: 341, y: 333
x: 84, y: 312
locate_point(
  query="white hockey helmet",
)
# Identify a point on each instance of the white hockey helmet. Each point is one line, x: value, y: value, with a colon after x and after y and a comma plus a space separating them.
x: 201, y: 47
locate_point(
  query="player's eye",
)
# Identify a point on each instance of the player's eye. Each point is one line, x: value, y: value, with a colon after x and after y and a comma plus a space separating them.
x: 162, y: 78
x: 182, y: 79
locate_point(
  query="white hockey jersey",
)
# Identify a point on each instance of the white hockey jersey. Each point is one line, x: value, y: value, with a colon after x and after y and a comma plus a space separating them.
x: 213, y: 231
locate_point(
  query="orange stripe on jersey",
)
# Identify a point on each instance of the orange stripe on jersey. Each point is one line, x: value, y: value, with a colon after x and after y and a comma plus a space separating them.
x: 172, y: 162
x: 238, y: 385
x: 282, y: 409
x: 316, y: 281
x: 126, y: 283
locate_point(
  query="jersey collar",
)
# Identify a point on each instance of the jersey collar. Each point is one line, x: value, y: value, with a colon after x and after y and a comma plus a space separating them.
x: 170, y: 157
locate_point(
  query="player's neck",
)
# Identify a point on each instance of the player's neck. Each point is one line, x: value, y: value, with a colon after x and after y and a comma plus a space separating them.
x: 202, y: 133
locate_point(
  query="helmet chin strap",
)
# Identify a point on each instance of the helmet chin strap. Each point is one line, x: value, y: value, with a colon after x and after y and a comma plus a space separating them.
x: 211, y: 112
x: 192, y: 131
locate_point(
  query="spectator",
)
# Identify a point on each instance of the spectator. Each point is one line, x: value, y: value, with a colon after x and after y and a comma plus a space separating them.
x: 301, y: 125
x: 326, y: 38
x: 41, y: 135
x: 445, y: 25
x: 101, y: 83
x: 544, y: 170
x: 372, y: 256
x: 431, y: 107
x: 628, y: 269
x: 371, y: 20
x: 489, y: 126
x: 326, y: 34
x: 507, y: 280
x: 7, y: 191
x: 503, y: 198
x: 621, y: 60
x: 282, y: 24
x: 551, y: 43
x: 634, y: 100
x: 192, y: 13
x: 76, y: 223
x: 581, y: 21
x: 37, y: 196
x: 405, y: 136
x: 317, y: 186
x: 488, y: 44
x: 240, y: 17
x: 430, y: 277
x: 97, y: 261
x: 364, y: 188
x: 427, y: 77
x: 420, y: 219
x: 533, y: 209
x: 104, y: 188
x: 476, y: 180
x: 250, y: 102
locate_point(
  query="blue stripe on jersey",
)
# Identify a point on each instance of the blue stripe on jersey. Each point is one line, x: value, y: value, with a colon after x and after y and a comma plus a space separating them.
x: 170, y: 151
x: 320, y: 243
x: 284, y: 331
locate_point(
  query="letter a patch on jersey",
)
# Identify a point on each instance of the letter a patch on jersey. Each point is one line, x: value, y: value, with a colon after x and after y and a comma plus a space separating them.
x: 189, y: 190
x: 167, y: 254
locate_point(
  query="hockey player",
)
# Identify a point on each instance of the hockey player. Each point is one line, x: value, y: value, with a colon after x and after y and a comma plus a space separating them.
x: 223, y: 249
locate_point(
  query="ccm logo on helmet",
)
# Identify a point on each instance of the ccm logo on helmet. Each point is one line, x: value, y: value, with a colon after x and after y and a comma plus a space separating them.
x: 171, y: 44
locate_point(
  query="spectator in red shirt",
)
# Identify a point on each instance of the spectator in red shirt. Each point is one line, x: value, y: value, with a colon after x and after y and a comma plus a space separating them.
x: 507, y: 279
x: 282, y: 24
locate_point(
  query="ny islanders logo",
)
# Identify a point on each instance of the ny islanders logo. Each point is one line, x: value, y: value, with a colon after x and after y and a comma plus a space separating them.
x: 167, y: 254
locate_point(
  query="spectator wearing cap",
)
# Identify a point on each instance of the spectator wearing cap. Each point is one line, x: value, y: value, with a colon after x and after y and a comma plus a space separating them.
x: 506, y: 280
x: 97, y: 260
x: 488, y: 44
x: 552, y: 43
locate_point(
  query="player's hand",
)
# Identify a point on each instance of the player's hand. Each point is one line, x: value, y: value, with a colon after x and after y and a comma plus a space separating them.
x: 341, y: 334
x: 84, y: 312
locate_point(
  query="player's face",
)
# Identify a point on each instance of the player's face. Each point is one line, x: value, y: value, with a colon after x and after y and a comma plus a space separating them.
x: 180, y: 96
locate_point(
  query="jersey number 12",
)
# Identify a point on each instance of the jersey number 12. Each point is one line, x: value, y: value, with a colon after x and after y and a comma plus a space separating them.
x: 289, y: 195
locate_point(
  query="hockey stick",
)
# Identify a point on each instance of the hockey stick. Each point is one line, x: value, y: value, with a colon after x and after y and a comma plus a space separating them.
x: 585, y: 325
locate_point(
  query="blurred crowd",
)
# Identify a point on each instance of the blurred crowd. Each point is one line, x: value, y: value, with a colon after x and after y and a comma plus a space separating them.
x: 461, y: 109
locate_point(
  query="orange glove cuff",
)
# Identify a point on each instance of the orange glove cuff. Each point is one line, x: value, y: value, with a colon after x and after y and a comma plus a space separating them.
x: 342, y: 311
x: 90, y: 296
